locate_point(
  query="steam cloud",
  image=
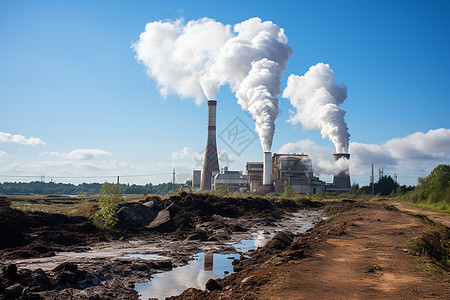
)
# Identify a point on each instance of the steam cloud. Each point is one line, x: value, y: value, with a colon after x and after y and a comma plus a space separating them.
x: 317, y: 98
x: 199, y: 57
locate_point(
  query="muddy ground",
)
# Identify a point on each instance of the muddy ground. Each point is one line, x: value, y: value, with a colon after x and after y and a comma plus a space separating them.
x: 199, y: 219
x: 361, y: 252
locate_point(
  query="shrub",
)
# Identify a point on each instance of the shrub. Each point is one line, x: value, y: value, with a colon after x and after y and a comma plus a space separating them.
x: 110, y: 197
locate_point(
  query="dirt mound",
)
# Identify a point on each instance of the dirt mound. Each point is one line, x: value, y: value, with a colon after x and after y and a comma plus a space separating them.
x: 37, y: 234
x: 188, y: 210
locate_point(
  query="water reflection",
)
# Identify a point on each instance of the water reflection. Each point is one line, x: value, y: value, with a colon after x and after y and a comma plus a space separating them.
x: 195, y: 274
x: 208, y: 265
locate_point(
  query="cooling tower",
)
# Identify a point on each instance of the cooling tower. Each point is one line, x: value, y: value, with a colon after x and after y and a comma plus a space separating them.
x: 211, y: 162
x: 267, y: 168
x: 341, y: 180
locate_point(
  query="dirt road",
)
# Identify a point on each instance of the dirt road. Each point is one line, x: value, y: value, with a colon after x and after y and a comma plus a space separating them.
x: 361, y: 255
x: 432, y: 215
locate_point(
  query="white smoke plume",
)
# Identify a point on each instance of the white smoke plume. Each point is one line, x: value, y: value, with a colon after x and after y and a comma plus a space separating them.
x: 258, y: 94
x: 177, y: 55
x: 317, y: 98
x: 205, y: 54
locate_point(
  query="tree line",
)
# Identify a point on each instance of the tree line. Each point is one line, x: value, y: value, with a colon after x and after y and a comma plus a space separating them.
x: 386, y: 186
x: 47, y: 188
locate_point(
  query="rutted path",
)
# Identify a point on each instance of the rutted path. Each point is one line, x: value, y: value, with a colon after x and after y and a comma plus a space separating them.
x: 441, y: 217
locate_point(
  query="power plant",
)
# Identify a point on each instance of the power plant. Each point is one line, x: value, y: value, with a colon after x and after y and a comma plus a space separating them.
x: 273, y: 174
x: 341, y: 178
x: 211, y: 161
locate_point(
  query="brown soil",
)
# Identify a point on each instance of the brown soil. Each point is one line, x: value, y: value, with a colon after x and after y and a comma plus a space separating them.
x: 362, y: 253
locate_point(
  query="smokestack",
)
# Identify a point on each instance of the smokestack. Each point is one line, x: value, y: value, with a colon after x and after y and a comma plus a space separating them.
x: 267, y: 168
x: 342, y: 178
x: 211, y: 162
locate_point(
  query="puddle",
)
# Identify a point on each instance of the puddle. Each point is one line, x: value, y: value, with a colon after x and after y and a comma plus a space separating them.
x: 195, y: 274
x: 207, y: 265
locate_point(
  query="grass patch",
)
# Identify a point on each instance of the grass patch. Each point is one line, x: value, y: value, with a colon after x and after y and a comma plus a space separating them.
x: 434, y: 242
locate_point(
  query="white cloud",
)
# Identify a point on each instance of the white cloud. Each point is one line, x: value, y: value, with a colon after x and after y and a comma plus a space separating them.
x: 20, y: 139
x: 80, y: 154
x: 3, y: 154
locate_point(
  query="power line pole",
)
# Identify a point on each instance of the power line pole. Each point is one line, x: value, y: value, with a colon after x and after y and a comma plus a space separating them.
x: 173, y: 181
x: 372, y: 182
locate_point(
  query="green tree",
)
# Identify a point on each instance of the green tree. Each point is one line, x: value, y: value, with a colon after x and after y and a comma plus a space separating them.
x: 385, y: 186
x: 110, y: 197
x: 287, y: 191
x: 435, y: 187
x: 354, y: 188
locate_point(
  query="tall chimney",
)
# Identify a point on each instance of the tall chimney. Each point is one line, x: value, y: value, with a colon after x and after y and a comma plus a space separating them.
x: 267, y: 168
x: 342, y: 178
x: 211, y: 162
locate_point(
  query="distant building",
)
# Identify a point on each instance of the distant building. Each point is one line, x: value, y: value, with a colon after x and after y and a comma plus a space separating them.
x: 255, y: 172
x: 196, y: 179
x: 235, y: 180
x: 295, y: 170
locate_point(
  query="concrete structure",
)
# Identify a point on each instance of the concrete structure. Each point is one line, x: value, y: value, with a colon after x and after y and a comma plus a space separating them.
x: 196, y: 178
x: 267, y: 168
x: 341, y: 180
x: 295, y: 170
x: 211, y: 162
x: 255, y: 172
x: 235, y: 181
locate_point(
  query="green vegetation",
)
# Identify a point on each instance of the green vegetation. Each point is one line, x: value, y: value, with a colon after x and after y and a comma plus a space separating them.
x: 223, y: 189
x: 435, y: 243
x: 47, y: 188
x: 287, y: 191
x: 110, y: 197
x: 432, y: 191
x: 386, y: 186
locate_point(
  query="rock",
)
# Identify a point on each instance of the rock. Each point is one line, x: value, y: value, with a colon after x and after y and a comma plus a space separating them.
x: 213, y: 285
x: 66, y: 266
x: 281, y: 240
x: 10, y: 272
x: 40, y: 281
x: 163, y: 265
x: 135, y: 215
x: 246, y: 280
x: 198, y: 235
x: 149, y: 204
x: 162, y: 218
x: 14, y: 291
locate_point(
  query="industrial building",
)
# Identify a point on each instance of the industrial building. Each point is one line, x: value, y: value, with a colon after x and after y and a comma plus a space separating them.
x: 235, y: 180
x: 294, y: 170
x: 255, y: 172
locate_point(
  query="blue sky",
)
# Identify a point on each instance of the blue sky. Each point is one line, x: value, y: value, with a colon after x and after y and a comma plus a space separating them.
x: 69, y: 77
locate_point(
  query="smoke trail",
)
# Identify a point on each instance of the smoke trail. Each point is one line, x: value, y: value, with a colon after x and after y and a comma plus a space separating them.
x: 316, y: 98
x: 204, y: 54
x: 258, y: 94
x: 252, y: 62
